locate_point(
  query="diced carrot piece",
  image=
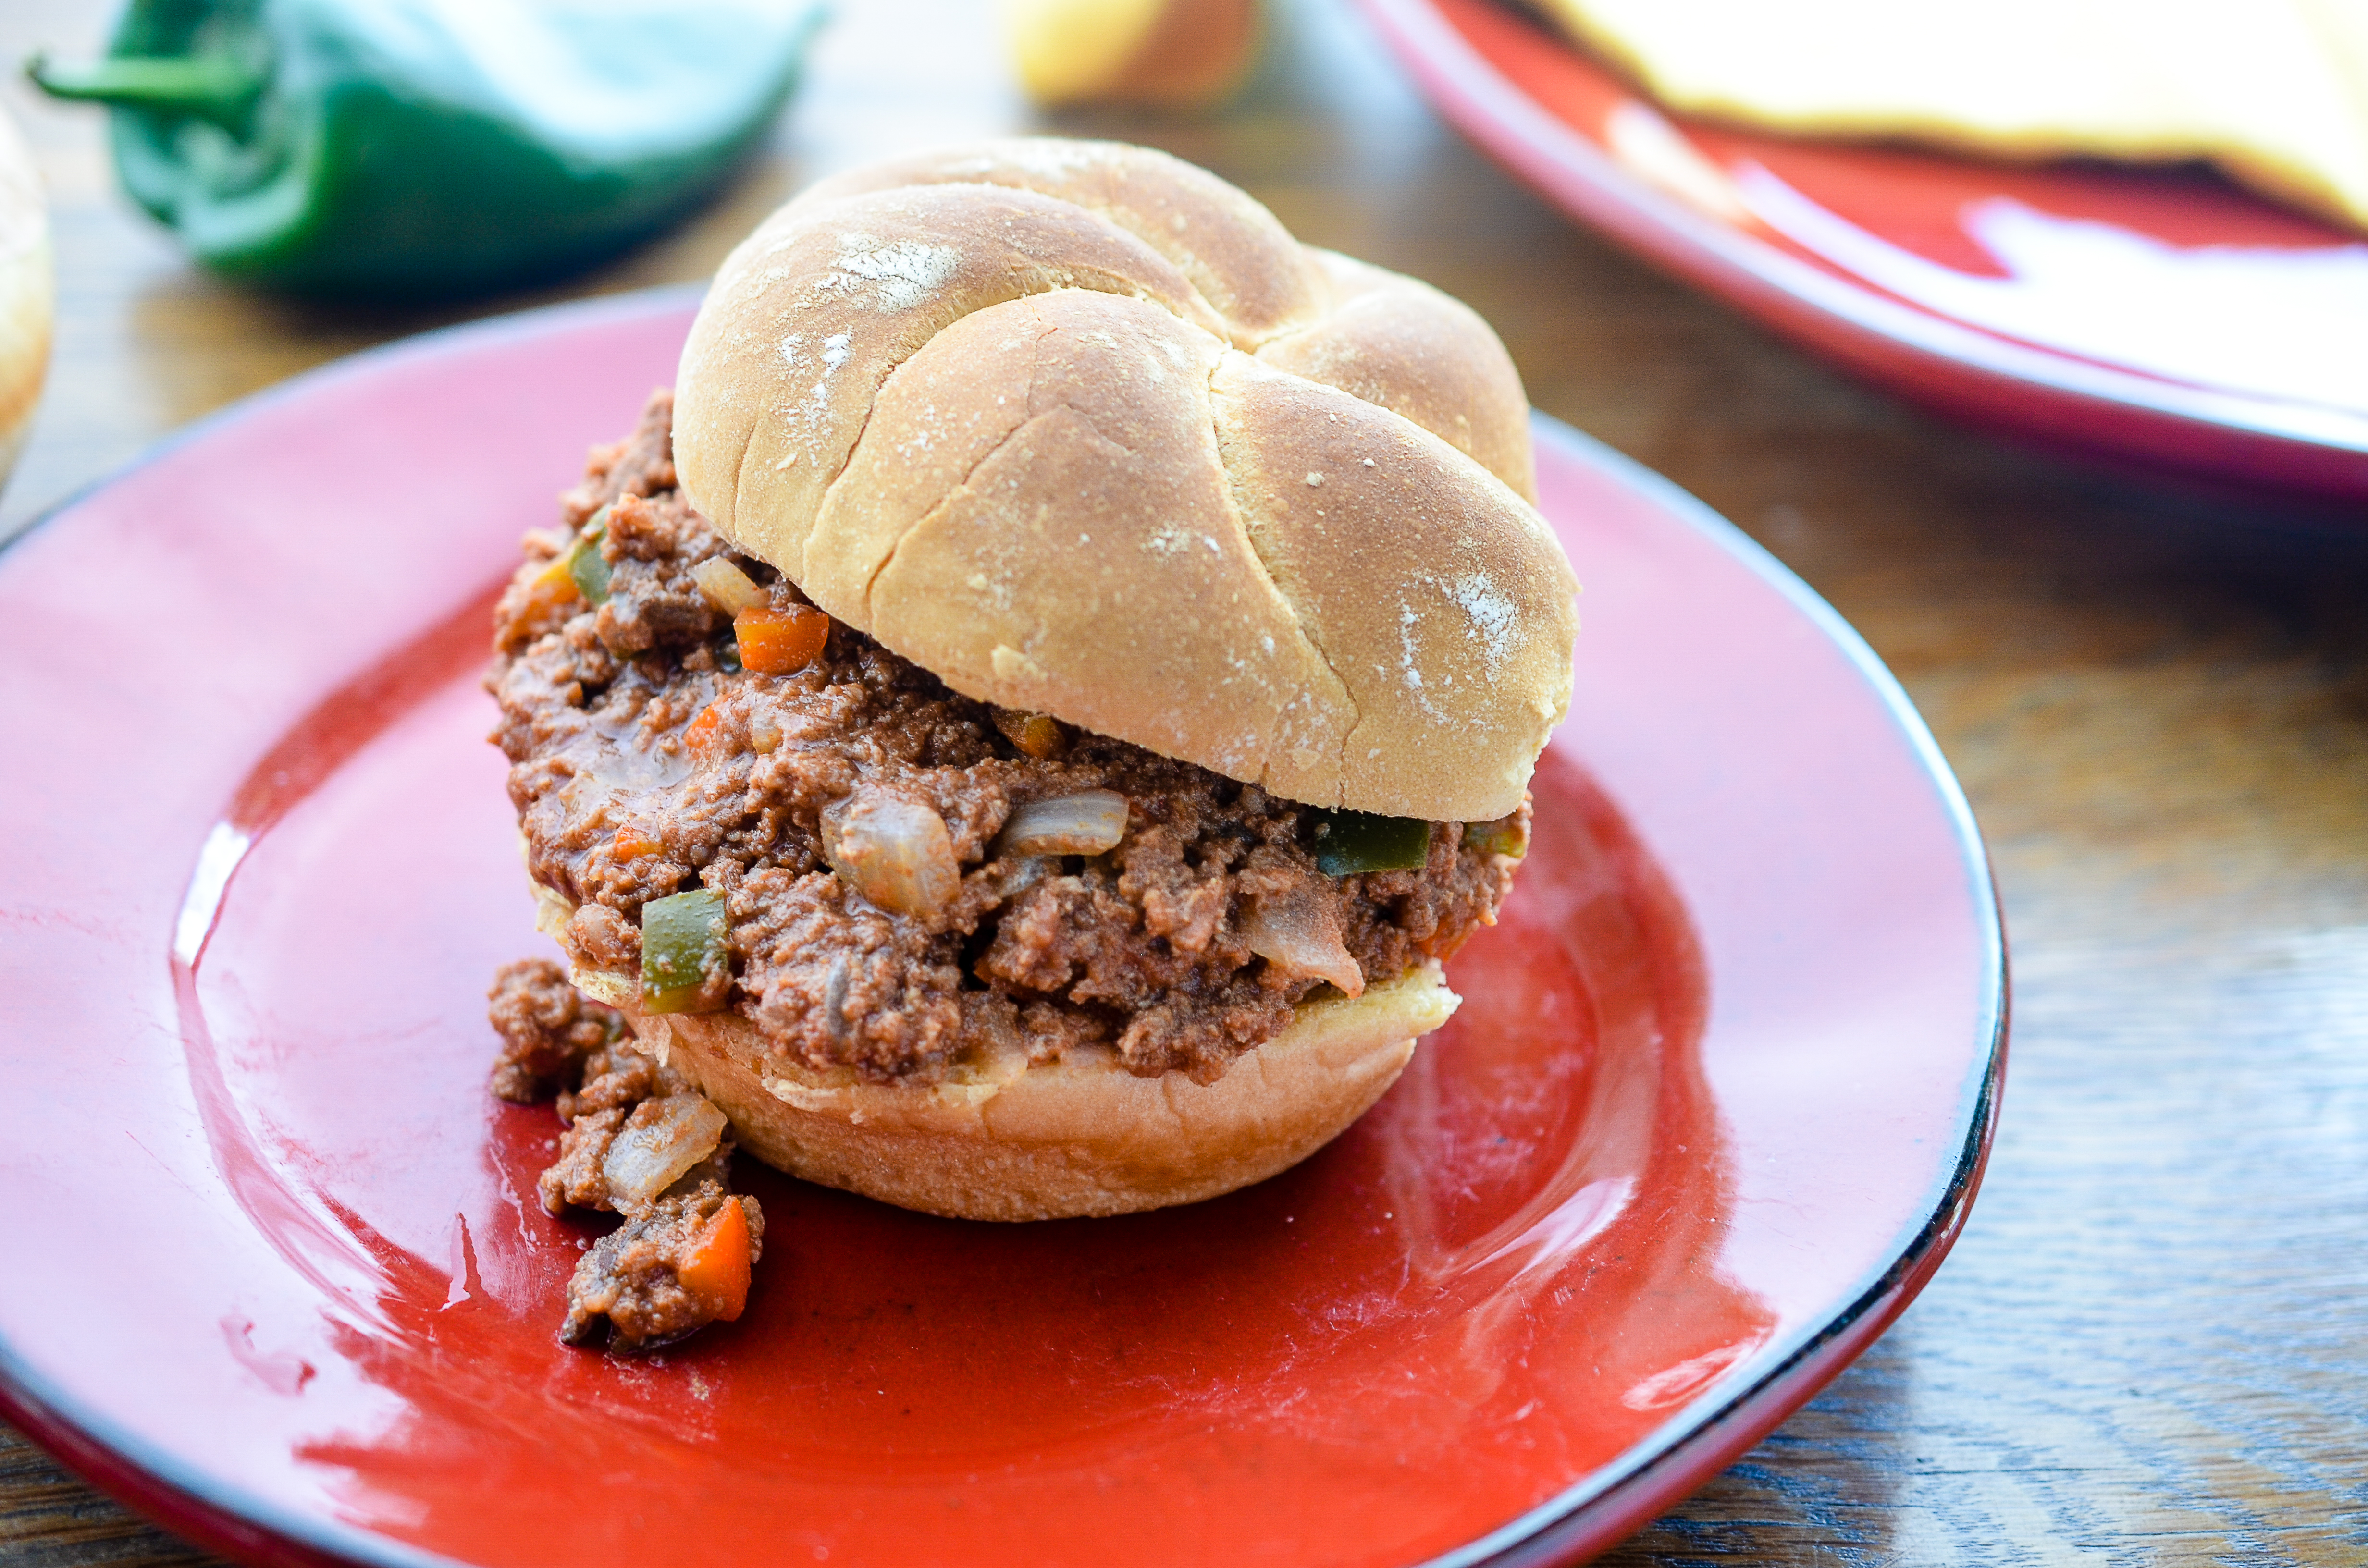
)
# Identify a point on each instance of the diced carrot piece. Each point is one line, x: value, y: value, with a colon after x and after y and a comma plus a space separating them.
x: 780, y: 642
x: 631, y: 843
x: 551, y: 586
x: 705, y: 732
x: 726, y: 586
x: 717, y: 1273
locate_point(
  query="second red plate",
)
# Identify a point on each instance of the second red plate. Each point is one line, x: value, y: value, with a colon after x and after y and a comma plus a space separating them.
x: 2163, y: 318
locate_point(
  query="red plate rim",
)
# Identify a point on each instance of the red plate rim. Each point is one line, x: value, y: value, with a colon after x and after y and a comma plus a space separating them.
x: 1621, y: 1498
x: 1685, y: 1450
x: 1961, y: 368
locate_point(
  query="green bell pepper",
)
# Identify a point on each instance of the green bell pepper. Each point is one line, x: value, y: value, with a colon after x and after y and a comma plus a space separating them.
x: 586, y: 567
x: 686, y: 961
x: 1508, y: 836
x: 421, y: 147
x: 1350, y: 843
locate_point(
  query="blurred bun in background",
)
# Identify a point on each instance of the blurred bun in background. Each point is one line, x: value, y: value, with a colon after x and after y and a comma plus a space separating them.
x: 2272, y: 92
x: 1177, y: 53
x: 25, y: 294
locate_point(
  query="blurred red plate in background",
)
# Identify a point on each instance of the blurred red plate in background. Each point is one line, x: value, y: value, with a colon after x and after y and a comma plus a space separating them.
x: 1713, y: 1112
x: 2163, y: 318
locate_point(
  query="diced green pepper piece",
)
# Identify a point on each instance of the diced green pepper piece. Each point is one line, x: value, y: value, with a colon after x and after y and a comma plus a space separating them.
x: 589, y: 572
x: 1505, y: 837
x: 684, y: 965
x: 1349, y: 842
x: 586, y: 564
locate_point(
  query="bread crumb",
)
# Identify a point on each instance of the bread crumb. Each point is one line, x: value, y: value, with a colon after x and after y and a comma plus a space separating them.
x: 1314, y: 479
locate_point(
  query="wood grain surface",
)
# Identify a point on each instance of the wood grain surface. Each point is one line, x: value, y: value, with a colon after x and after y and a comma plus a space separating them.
x: 2149, y: 1346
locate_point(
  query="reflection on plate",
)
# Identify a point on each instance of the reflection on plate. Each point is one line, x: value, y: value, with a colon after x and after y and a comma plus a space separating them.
x: 1713, y: 1112
x: 2158, y: 315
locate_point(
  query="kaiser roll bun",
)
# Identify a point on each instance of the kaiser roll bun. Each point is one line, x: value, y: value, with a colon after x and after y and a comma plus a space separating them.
x: 1081, y: 429
x: 1001, y: 1140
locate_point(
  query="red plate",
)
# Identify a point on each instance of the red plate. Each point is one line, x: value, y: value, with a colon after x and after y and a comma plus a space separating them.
x: 2160, y: 316
x: 1713, y: 1112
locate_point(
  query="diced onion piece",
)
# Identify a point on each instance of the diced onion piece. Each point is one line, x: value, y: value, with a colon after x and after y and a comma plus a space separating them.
x: 1038, y: 734
x: 1085, y: 824
x: 726, y: 586
x: 1298, y: 935
x: 661, y: 1139
x: 780, y: 642
x: 717, y: 1272
x: 893, y: 850
x: 1348, y: 843
x: 685, y: 964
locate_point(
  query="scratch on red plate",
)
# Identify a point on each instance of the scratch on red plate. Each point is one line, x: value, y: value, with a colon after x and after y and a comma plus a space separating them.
x: 281, y: 1373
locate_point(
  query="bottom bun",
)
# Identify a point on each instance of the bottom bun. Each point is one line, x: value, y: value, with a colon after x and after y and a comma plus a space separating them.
x: 1078, y: 1136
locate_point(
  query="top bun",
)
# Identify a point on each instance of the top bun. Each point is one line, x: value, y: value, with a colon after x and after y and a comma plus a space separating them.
x: 1082, y: 430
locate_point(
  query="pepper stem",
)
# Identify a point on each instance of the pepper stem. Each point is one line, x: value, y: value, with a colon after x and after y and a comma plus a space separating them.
x: 217, y: 87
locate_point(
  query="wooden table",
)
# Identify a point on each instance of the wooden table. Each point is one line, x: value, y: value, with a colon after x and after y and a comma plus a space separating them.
x: 2149, y: 1346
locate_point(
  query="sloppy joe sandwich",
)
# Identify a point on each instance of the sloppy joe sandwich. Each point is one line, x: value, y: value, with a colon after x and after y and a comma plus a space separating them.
x: 1021, y: 725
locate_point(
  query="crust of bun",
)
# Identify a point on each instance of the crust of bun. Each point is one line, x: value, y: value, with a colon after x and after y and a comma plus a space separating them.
x: 1082, y: 430
x: 1060, y: 1139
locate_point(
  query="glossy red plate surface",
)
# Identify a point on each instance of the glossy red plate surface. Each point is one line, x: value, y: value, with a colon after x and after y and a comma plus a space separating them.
x: 1712, y: 1111
x: 2161, y: 316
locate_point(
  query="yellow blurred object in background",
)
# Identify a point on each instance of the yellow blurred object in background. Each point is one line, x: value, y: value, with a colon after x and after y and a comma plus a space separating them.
x: 1151, y: 51
x: 2275, y: 92
x: 26, y: 293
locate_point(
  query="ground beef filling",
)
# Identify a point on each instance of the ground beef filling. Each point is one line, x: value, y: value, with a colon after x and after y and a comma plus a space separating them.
x: 645, y: 762
x: 640, y: 1142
